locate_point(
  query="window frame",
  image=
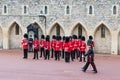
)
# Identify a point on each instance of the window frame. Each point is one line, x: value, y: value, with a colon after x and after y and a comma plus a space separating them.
x: 5, y: 11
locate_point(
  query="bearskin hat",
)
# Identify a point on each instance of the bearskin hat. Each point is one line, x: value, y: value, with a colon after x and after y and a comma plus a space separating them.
x: 57, y: 38
x: 60, y: 38
x: 90, y: 37
x: 25, y: 35
x: 47, y: 38
x: 63, y: 38
x: 74, y: 36
x: 42, y: 36
x: 80, y: 37
x: 67, y: 39
x: 83, y: 38
x: 53, y: 37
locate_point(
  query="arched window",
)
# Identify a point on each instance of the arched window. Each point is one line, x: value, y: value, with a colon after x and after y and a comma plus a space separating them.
x: 114, y: 10
x: 102, y: 31
x: 68, y: 10
x: 79, y: 30
x: 17, y: 29
x: 90, y: 10
x: 25, y: 9
x: 58, y: 30
x: 46, y: 9
x: 5, y: 9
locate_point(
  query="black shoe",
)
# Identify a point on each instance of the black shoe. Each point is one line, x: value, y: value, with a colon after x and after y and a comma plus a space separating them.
x: 33, y: 58
x: 94, y: 71
x: 80, y: 60
x: 83, y: 70
x: 24, y: 57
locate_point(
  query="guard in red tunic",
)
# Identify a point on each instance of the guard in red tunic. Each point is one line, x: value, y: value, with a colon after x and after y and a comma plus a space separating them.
x: 67, y: 49
x: 83, y: 49
x: 90, y: 60
x: 47, y: 47
x: 71, y: 48
x: 57, y: 49
x: 36, y: 47
x: 76, y: 46
x: 42, y: 46
x: 24, y: 43
x: 53, y: 42
x: 61, y: 45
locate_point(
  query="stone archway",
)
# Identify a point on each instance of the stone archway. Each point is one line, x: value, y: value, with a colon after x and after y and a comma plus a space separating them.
x: 36, y: 29
x: 57, y: 30
x: 15, y: 36
x: 102, y: 39
x: 79, y: 30
x: 1, y: 38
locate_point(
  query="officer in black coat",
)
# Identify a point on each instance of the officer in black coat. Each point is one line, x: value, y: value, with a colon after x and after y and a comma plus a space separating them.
x: 89, y: 41
x: 90, y: 60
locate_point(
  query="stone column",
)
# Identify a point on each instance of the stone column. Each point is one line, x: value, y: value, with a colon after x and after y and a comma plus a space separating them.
x: 5, y: 39
x: 114, y: 43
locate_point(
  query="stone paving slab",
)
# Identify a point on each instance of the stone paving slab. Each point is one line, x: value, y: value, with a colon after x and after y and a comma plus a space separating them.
x: 14, y: 67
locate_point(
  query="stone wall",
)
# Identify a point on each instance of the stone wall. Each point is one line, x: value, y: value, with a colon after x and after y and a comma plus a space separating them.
x: 102, y: 14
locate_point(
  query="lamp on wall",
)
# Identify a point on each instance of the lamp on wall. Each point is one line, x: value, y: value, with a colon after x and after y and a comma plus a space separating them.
x: 42, y: 18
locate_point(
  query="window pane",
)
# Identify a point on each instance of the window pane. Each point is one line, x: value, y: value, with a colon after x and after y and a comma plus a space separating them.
x: 58, y: 30
x: 45, y: 9
x: 68, y: 10
x: 25, y: 9
x: 90, y: 10
x: 114, y: 10
x: 5, y: 9
x: 102, y: 32
x: 17, y: 29
x: 79, y: 30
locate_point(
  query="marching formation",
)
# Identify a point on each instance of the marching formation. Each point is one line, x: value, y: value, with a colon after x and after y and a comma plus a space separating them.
x: 68, y: 48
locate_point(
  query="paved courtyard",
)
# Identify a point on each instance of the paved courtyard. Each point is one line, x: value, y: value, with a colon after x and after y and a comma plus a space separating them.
x: 14, y: 67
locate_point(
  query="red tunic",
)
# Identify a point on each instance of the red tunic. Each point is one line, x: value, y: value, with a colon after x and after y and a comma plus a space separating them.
x: 36, y: 44
x: 67, y: 47
x: 42, y: 43
x: 79, y: 43
x: 53, y: 42
x: 76, y: 46
x: 83, y: 47
x: 61, y: 44
x: 24, y: 43
x: 71, y: 46
x: 47, y: 45
x: 58, y: 46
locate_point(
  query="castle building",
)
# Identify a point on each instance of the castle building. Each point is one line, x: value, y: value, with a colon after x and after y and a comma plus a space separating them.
x: 99, y: 18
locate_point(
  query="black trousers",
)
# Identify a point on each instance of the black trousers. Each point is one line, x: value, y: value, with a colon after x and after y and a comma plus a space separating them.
x: 42, y: 52
x: 35, y: 54
x: 57, y: 55
x: 67, y: 56
x: 72, y: 55
x: 47, y: 54
x: 63, y: 53
x: 25, y: 51
x: 76, y: 54
x: 87, y: 64
x: 82, y: 54
x: 52, y: 53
